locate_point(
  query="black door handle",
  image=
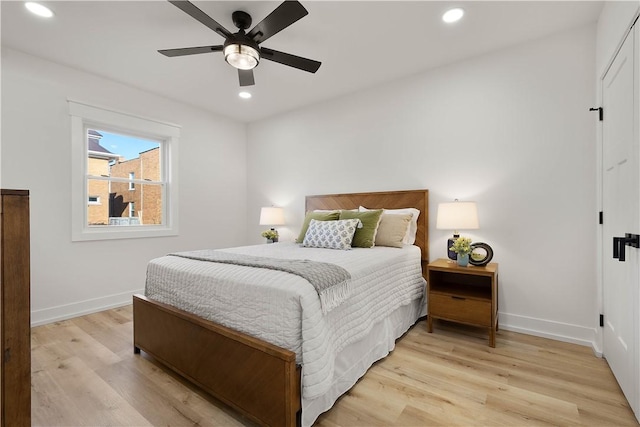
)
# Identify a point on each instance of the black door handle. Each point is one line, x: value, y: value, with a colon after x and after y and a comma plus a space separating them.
x: 616, y: 247
x: 619, y: 244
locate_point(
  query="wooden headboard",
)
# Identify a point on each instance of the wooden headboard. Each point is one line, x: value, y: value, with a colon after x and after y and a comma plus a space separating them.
x: 418, y: 199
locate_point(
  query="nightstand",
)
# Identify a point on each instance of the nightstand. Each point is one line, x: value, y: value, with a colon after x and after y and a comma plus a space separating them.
x: 466, y: 295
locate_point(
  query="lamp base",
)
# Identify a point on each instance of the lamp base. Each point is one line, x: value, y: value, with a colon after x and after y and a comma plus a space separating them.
x: 452, y: 255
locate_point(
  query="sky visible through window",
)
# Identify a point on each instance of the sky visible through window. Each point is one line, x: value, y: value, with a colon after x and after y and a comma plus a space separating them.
x: 127, y: 146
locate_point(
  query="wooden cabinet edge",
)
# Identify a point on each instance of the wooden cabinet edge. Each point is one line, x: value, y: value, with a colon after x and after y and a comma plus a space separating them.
x: 15, y: 385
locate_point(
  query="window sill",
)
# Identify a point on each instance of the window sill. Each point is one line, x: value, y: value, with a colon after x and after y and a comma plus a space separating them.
x: 122, y: 232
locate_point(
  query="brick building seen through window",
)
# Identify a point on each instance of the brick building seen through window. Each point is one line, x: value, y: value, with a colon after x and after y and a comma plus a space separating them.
x: 121, y: 199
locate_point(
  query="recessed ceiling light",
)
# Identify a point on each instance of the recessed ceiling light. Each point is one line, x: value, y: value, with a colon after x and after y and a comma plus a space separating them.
x: 244, y: 95
x: 453, y: 15
x: 39, y: 9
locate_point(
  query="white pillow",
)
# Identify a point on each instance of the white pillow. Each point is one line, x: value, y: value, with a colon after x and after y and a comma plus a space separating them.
x: 412, y: 230
x: 330, y: 234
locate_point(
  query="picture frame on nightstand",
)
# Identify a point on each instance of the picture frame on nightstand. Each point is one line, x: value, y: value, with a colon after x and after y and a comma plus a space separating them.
x: 481, y: 254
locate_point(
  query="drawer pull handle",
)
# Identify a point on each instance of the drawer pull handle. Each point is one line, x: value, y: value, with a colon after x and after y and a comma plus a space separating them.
x: 460, y: 298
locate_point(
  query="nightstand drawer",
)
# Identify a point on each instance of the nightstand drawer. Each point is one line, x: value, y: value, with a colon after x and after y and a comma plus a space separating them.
x: 460, y: 309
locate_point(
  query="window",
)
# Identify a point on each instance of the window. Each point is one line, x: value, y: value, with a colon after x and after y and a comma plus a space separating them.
x: 126, y: 168
x: 110, y: 156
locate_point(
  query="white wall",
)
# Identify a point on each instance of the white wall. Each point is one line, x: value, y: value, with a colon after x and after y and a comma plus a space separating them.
x: 510, y: 130
x: 69, y: 278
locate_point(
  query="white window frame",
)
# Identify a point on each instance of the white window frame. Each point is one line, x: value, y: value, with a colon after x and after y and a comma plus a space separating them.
x: 132, y: 185
x: 97, y: 202
x: 84, y: 116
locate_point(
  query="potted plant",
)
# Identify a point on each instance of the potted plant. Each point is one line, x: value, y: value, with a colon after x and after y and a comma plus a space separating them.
x: 270, y: 235
x: 462, y: 247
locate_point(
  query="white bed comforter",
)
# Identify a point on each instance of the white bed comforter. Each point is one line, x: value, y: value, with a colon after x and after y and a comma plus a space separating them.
x: 284, y: 309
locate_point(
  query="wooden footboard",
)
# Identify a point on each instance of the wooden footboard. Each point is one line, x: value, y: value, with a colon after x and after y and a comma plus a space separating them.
x: 256, y: 378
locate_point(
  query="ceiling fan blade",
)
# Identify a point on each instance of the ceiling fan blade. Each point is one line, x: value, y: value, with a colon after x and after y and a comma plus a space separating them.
x: 291, y: 60
x: 190, y: 50
x: 282, y: 16
x: 191, y: 10
x: 246, y: 77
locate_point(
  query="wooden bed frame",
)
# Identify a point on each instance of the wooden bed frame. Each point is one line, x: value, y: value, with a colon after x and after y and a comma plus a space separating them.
x: 258, y: 379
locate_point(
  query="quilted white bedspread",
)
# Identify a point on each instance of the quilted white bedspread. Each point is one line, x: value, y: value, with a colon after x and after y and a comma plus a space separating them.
x: 284, y: 309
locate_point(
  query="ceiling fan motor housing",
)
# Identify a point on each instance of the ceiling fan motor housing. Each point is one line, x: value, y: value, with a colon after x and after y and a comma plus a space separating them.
x: 243, y: 39
x: 241, y: 19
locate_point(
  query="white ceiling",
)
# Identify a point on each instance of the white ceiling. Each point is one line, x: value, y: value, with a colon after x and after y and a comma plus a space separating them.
x: 356, y: 41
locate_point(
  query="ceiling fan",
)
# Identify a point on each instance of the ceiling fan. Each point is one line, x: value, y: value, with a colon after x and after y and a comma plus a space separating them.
x: 241, y: 50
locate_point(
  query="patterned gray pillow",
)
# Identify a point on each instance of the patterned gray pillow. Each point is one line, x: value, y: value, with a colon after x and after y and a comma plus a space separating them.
x: 330, y: 234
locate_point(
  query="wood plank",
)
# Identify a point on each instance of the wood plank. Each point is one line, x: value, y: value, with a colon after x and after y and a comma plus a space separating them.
x: 451, y: 379
x: 87, y: 398
x: 111, y: 328
x: 66, y: 340
x: 163, y: 399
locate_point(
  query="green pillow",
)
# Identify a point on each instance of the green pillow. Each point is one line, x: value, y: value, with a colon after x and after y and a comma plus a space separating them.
x: 320, y: 216
x: 365, y: 236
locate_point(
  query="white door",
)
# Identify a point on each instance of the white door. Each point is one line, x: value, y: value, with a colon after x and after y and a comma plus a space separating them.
x: 621, y: 199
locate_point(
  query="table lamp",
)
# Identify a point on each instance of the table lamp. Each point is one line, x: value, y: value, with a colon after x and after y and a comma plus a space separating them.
x: 456, y: 216
x: 272, y: 216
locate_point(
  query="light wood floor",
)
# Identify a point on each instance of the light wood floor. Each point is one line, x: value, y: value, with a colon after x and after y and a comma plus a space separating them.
x: 85, y: 374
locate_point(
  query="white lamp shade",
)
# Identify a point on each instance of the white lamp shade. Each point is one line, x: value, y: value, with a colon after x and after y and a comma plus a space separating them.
x: 457, y: 216
x: 271, y: 216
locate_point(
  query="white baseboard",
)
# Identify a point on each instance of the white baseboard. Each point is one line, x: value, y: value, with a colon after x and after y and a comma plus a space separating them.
x: 80, y: 308
x: 559, y: 331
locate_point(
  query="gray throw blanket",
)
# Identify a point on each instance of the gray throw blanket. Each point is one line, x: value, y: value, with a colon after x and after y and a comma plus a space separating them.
x: 332, y: 282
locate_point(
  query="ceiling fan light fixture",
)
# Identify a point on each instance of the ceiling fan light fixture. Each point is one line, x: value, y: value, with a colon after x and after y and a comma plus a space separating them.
x: 241, y: 56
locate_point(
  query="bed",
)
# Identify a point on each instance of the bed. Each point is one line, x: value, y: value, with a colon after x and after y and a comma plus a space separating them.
x: 263, y: 378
